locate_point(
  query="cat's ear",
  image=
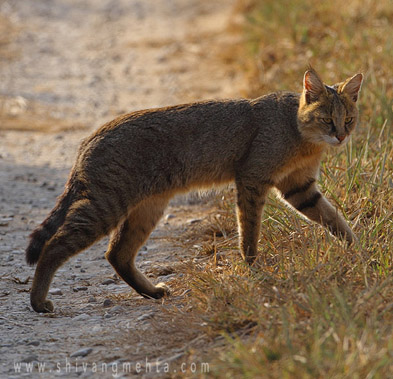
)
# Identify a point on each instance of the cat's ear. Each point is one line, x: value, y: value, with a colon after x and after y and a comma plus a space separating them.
x: 313, y: 87
x: 352, y: 86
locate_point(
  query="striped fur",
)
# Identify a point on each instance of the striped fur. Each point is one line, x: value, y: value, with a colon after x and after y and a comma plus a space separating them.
x: 127, y: 171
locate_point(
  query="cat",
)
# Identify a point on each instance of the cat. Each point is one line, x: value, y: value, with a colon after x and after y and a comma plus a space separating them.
x: 127, y: 171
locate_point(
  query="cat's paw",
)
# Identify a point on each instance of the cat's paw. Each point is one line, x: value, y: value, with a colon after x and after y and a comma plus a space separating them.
x: 45, y: 306
x: 161, y: 290
x: 351, y: 239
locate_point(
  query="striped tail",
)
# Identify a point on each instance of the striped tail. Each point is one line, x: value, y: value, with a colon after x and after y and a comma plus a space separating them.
x: 48, y: 228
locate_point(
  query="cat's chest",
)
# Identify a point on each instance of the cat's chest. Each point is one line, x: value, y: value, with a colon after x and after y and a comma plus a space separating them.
x: 300, y: 160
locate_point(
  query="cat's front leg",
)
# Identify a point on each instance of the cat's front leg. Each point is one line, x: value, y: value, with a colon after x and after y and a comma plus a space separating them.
x: 250, y: 202
x: 307, y: 199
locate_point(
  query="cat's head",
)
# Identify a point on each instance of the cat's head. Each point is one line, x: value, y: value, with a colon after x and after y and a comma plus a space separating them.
x: 328, y: 114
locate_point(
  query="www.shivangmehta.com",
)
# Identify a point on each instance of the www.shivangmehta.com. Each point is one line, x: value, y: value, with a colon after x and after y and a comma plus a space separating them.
x: 114, y: 368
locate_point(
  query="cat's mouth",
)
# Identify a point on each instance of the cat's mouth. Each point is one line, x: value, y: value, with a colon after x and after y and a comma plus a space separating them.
x: 335, y: 140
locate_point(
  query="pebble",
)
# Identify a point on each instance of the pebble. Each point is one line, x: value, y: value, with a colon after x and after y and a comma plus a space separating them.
x: 77, y: 289
x: 81, y: 317
x: 107, y: 303
x: 145, y: 316
x: 87, y: 307
x: 92, y: 299
x: 33, y: 343
x: 5, y: 221
x: 108, y: 281
x: 116, y: 308
x: 56, y: 291
x: 81, y: 353
x: 30, y: 358
x: 169, y: 216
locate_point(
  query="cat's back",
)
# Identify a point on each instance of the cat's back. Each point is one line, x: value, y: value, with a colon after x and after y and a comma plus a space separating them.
x: 280, y: 106
x: 203, y: 133
x: 201, y: 115
x: 276, y: 117
x: 196, y: 125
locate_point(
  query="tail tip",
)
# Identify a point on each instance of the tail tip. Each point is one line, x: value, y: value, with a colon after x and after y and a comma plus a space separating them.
x: 32, y: 255
x: 34, y: 249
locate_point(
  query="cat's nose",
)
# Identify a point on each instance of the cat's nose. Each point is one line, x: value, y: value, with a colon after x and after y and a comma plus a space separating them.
x: 340, y: 137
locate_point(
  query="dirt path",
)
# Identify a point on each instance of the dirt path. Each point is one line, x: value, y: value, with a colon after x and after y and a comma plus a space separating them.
x: 73, y: 66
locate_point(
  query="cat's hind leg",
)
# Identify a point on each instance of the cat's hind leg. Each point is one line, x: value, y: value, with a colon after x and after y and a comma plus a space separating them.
x: 83, y: 225
x: 127, y: 240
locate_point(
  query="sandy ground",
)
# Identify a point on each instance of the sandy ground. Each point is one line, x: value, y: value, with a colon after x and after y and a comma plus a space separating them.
x: 66, y: 67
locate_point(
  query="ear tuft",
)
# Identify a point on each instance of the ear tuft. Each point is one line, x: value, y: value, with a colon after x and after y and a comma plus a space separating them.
x: 352, y: 86
x: 312, y: 86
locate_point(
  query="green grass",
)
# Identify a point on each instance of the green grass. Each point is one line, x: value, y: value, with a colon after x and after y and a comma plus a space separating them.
x: 316, y: 309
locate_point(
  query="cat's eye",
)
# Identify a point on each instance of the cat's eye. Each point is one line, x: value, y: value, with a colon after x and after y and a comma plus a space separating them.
x: 328, y: 121
x: 348, y: 120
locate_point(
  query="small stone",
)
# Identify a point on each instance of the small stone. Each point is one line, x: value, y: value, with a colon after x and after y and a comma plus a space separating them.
x: 108, y: 315
x: 33, y: 343
x: 87, y: 307
x: 92, y: 299
x: 30, y: 358
x: 56, y: 291
x: 116, y: 309
x: 145, y: 316
x: 81, y: 288
x: 81, y: 353
x: 81, y: 317
x: 5, y: 221
x: 107, y: 303
x: 169, y: 216
x: 108, y: 281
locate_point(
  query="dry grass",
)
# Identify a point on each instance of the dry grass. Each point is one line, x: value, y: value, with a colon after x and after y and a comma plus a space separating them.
x: 313, y: 309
